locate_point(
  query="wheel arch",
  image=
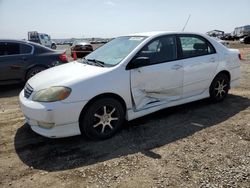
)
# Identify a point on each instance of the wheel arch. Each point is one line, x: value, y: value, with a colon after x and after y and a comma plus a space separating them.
x: 53, y: 44
x: 33, y: 66
x: 103, y: 95
x: 225, y: 72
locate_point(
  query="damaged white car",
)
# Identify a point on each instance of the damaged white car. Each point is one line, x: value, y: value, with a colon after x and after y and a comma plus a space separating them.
x: 127, y: 78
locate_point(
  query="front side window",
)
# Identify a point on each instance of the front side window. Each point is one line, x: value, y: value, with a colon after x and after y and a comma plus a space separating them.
x: 160, y: 50
x: 116, y: 50
x: 193, y: 46
x: 9, y: 48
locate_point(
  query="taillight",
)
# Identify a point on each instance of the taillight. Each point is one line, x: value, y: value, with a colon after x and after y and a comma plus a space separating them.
x: 240, y: 57
x: 63, y: 57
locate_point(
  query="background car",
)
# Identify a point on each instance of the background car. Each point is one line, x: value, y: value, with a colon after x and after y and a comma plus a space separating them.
x: 41, y: 38
x: 245, y: 40
x: 225, y: 43
x: 20, y: 60
x: 81, y: 48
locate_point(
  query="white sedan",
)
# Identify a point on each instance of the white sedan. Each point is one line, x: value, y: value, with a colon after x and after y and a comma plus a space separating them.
x: 127, y: 78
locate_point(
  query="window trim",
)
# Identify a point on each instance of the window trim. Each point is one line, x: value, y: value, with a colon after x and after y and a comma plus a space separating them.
x: 32, y: 50
x: 152, y: 40
x: 196, y: 36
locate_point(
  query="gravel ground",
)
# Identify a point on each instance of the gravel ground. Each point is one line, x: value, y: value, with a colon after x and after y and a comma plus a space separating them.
x: 193, y: 145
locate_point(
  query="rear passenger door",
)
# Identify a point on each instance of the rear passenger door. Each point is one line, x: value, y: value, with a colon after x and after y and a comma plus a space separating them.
x: 199, y: 60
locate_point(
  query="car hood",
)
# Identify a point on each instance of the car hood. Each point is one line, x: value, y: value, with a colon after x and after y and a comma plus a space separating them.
x: 65, y: 75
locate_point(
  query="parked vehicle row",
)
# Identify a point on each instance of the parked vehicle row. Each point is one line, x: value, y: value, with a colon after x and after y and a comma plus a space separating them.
x: 239, y: 33
x: 242, y: 31
x: 20, y: 60
x: 245, y: 40
x: 129, y: 77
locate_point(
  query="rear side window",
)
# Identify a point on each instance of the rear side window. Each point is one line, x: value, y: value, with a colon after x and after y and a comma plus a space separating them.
x: 39, y: 49
x: 193, y: 46
x: 26, y: 49
x: 9, y: 48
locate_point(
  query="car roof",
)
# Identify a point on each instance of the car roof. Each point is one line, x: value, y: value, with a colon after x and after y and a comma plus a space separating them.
x: 14, y: 40
x: 25, y: 42
x: 19, y: 41
x: 159, y: 33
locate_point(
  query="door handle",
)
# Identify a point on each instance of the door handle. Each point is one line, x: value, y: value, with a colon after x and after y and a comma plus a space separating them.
x: 24, y: 58
x: 212, y: 60
x: 15, y: 67
x: 176, y: 67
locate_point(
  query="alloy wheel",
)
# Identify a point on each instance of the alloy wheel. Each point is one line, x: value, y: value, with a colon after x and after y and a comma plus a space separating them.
x: 105, y: 119
x: 102, y: 119
x: 220, y: 88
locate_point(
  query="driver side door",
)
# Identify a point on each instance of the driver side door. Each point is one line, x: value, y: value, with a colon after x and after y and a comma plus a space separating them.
x: 159, y: 80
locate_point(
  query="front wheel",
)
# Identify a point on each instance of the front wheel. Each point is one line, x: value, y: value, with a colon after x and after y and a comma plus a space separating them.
x: 53, y: 46
x: 103, y: 119
x: 219, y: 87
x: 33, y: 71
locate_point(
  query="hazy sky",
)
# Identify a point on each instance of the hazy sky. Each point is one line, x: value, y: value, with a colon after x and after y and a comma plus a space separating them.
x: 110, y: 18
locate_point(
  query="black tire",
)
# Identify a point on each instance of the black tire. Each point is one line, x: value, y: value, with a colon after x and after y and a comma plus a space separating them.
x: 219, y: 87
x: 102, y: 119
x: 33, y: 71
x: 53, y: 46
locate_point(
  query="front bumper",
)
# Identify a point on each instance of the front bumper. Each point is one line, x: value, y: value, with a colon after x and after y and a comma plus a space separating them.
x: 63, y: 116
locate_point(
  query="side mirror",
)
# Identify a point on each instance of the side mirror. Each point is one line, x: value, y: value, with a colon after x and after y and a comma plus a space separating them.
x: 138, y: 62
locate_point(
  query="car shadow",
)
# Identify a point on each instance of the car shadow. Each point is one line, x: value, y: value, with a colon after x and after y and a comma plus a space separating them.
x: 140, y: 135
x: 11, y: 90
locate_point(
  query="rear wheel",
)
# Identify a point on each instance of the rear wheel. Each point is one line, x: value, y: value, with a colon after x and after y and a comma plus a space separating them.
x: 102, y: 119
x: 53, y: 46
x: 219, y: 87
x: 33, y: 71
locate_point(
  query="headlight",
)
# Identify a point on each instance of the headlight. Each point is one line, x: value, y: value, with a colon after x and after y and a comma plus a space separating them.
x: 52, y: 94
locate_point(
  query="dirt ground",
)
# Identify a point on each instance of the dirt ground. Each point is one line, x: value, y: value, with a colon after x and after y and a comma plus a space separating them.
x: 193, y: 145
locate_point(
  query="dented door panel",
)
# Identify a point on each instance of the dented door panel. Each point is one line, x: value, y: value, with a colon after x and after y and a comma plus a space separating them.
x: 156, y: 84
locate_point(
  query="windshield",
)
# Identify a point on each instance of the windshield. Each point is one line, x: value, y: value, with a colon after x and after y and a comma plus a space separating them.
x: 116, y: 50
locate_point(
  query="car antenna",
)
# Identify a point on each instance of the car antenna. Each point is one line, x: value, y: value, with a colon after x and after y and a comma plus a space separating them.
x: 186, y: 22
